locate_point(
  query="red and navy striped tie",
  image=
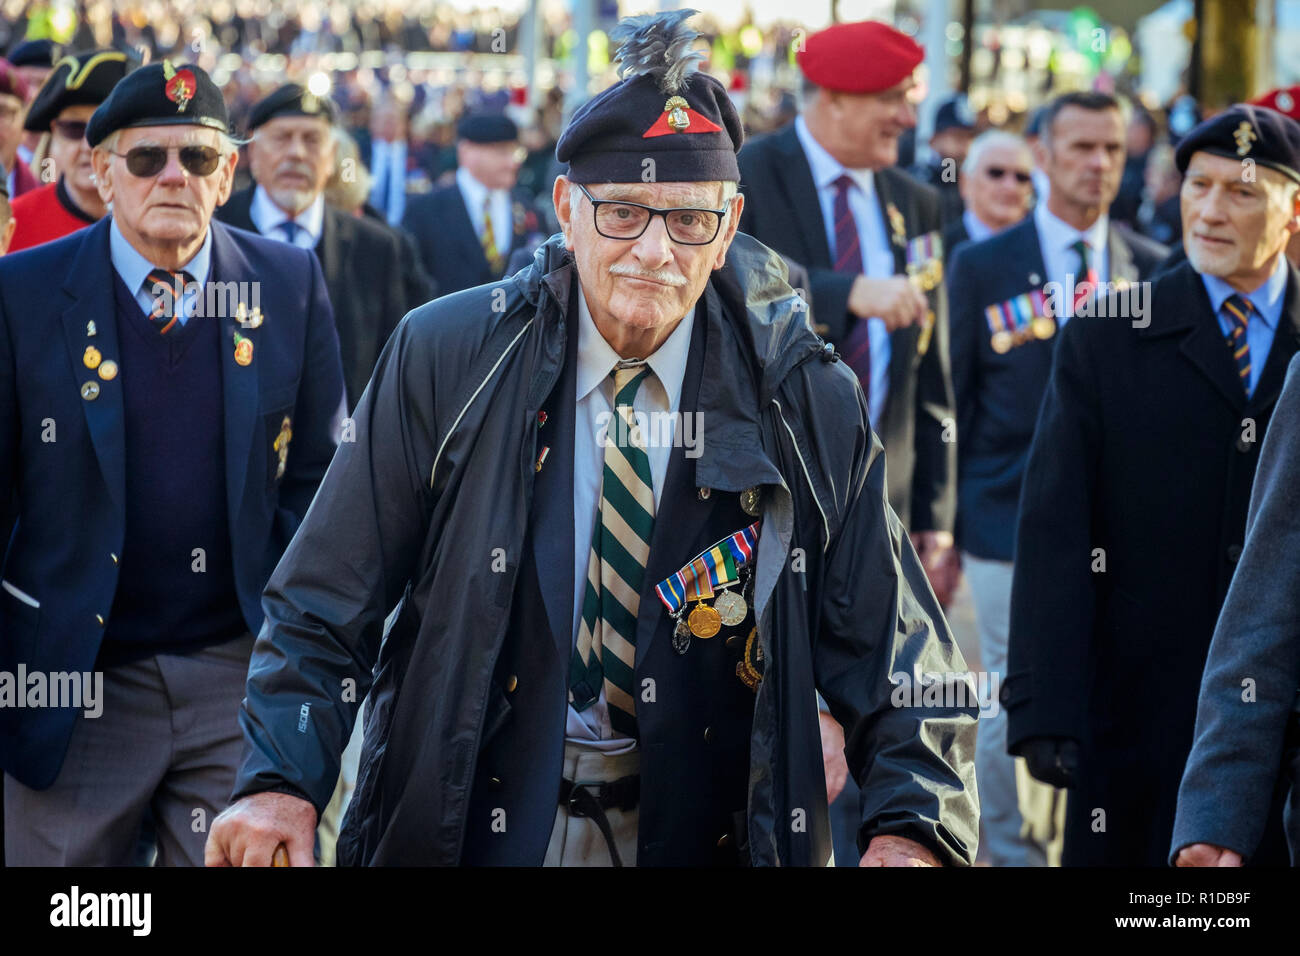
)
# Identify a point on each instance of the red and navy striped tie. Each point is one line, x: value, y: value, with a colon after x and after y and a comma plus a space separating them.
x: 856, y: 347
x: 1239, y: 309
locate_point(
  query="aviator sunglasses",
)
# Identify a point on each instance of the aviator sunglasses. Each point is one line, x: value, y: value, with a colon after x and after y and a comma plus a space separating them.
x: 145, y: 161
x: 997, y: 172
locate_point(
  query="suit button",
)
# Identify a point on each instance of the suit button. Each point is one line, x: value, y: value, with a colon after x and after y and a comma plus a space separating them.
x: 100, y: 619
x: 511, y: 684
x: 495, y: 783
x: 708, y: 734
x: 114, y: 557
x: 704, y: 494
x: 1234, y: 553
x: 724, y: 841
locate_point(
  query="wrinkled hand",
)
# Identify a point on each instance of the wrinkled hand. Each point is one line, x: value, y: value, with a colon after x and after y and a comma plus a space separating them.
x: 895, y: 300
x: 837, y: 768
x: 1207, y: 854
x: 897, y: 851
x: 248, y: 831
x: 1053, y: 760
x: 942, y: 562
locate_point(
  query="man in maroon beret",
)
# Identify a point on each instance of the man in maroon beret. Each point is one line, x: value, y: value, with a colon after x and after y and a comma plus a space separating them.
x: 825, y: 192
x: 13, y: 110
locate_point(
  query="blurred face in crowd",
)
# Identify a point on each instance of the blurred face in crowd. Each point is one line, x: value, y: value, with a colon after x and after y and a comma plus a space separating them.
x: 165, y: 215
x: 1083, y: 157
x: 70, y: 152
x: 638, y: 289
x: 861, y: 130
x: 35, y: 77
x: 952, y: 143
x: 386, y: 123
x: 291, y: 157
x: 12, y: 112
x: 495, y: 165
x: 999, y: 190
x: 1232, y: 228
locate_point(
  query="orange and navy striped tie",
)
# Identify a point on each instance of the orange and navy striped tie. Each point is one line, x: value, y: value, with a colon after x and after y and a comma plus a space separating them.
x: 1239, y: 309
x: 163, y: 286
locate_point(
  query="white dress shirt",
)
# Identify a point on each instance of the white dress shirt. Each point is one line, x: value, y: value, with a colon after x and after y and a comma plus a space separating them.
x: 268, y: 218
x: 873, y: 240
x: 1056, y: 239
x: 976, y: 228
x: 474, y: 194
x: 388, y: 168
x: 134, y: 269
x: 659, y: 392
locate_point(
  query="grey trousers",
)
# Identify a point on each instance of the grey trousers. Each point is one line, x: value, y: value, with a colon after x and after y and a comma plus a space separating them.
x: 577, y: 841
x: 168, y: 740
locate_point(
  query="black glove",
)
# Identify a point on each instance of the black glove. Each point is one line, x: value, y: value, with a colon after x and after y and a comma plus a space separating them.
x: 1053, y: 760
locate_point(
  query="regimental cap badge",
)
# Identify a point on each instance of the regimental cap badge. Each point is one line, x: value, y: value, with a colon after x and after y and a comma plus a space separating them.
x: 1245, y: 137
x: 678, y: 117
x: 180, y: 85
x: 676, y: 108
x: 310, y: 103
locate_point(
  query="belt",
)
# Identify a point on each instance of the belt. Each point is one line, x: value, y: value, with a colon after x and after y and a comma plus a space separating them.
x: 593, y: 799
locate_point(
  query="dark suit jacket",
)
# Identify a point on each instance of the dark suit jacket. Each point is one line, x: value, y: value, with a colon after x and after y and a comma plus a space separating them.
x: 1131, y: 525
x: 449, y: 245
x: 71, y: 492
x: 1247, y: 744
x: 361, y: 261
x: 998, y: 395
x: 783, y: 212
x: 954, y: 234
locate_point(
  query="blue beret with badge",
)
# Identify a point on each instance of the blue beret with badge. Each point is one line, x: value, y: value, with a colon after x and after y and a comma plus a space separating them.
x: 160, y: 94
x: 291, y: 99
x: 1264, y: 136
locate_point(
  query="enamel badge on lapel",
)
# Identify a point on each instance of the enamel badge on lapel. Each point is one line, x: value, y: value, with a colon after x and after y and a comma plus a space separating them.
x: 108, y: 370
x: 90, y: 391
x: 91, y: 358
x: 243, y: 349
x: 90, y: 329
x: 897, y: 227
x: 249, y: 320
x: 281, y: 443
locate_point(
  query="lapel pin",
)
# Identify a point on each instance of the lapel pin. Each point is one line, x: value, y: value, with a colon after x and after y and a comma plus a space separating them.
x: 281, y: 445
x: 90, y: 391
x: 243, y: 349
x: 90, y: 329
x: 1034, y: 278
x: 541, y: 418
x: 108, y: 370
x: 91, y: 358
x: 541, y: 459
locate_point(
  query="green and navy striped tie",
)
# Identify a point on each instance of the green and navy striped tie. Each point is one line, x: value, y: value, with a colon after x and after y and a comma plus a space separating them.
x: 605, y: 654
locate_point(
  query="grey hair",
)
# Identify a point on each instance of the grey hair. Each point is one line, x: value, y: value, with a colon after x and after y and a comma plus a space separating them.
x: 992, y: 139
x: 229, y: 143
x: 729, y: 190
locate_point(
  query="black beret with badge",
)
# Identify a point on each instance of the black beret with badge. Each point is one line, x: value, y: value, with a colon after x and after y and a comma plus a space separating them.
x: 160, y: 94
x: 1264, y: 136
x: 78, y: 79
x: 662, y: 109
x: 292, y: 99
x: 487, y: 128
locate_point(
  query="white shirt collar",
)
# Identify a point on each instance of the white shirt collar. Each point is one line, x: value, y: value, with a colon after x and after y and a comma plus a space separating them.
x: 1061, y: 235
x: 976, y: 228
x: 268, y: 217
x: 596, y: 359
x: 825, y: 167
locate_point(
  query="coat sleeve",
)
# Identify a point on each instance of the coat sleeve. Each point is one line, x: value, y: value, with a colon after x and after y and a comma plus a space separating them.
x: 887, y: 666
x: 1050, y: 656
x: 1253, y: 669
x: 345, y: 569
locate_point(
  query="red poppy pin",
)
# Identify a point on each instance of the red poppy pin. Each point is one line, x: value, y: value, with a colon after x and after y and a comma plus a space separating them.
x: 181, y: 86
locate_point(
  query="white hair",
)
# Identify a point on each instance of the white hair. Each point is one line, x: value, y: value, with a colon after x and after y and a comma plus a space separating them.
x: 992, y: 139
x: 228, y: 144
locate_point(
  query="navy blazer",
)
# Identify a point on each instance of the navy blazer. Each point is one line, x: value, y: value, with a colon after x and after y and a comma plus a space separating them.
x: 450, y: 246
x: 998, y: 396
x: 64, y: 455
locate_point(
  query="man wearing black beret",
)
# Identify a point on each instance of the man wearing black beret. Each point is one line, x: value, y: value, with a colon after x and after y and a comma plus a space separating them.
x: 1133, y: 505
x: 291, y: 157
x: 168, y: 390
x: 60, y: 111
x: 631, y: 515
x: 468, y: 230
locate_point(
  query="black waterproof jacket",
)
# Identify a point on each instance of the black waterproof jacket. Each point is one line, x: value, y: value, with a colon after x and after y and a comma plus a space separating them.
x: 428, y: 500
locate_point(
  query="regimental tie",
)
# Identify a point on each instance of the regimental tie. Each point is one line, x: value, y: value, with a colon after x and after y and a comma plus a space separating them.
x: 490, y: 250
x: 1239, y: 310
x: 1089, y: 274
x: 605, y: 655
x: 162, y: 284
x: 856, y: 347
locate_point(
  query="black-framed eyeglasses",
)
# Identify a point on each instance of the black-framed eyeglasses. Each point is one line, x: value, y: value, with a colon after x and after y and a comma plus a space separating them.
x: 618, y: 219
x: 146, y: 161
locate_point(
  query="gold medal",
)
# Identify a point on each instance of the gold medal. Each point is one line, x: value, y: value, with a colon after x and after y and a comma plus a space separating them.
x: 1001, y: 342
x: 108, y: 370
x: 90, y: 391
x: 91, y: 358
x: 704, y: 621
x: 731, y: 607
x: 750, y: 499
x: 1043, y: 327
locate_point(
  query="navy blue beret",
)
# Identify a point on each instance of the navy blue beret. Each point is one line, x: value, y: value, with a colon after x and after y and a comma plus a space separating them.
x: 487, y: 128
x: 662, y: 110
x: 1246, y: 132
x: 32, y: 53
x: 160, y: 95
x: 291, y: 99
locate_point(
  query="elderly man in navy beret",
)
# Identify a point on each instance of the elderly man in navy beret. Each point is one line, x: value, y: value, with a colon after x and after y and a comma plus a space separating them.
x: 626, y: 513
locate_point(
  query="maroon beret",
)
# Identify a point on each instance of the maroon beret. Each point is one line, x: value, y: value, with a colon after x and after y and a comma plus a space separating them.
x: 864, y: 57
x: 11, y: 84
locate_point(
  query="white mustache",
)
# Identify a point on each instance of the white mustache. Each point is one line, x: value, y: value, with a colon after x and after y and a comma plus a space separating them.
x: 668, y: 278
